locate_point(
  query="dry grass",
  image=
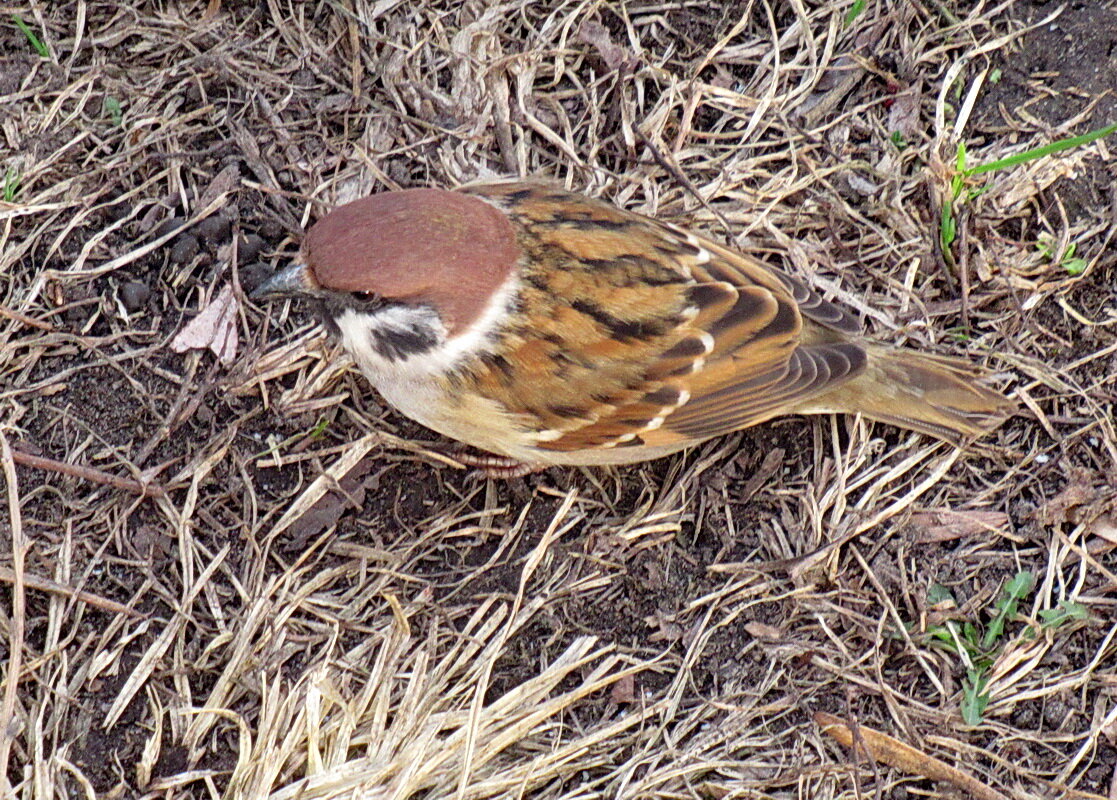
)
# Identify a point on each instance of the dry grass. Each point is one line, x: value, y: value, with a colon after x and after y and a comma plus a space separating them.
x: 663, y: 631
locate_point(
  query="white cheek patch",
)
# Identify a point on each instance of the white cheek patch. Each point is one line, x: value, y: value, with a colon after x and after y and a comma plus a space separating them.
x: 386, y: 344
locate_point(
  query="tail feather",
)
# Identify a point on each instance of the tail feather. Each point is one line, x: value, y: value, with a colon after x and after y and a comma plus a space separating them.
x: 935, y: 395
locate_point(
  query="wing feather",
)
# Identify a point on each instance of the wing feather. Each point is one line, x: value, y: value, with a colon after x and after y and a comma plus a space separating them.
x: 703, y: 341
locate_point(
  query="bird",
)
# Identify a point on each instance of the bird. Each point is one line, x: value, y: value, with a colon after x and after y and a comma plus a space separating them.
x: 548, y: 328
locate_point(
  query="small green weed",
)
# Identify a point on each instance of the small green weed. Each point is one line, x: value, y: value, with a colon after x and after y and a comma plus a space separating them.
x: 1073, y: 266
x: 112, y: 107
x: 35, y: 42
x: 854, y: 12
x: 961, y: 192
x: 11, y: 185
x: 978, y: 646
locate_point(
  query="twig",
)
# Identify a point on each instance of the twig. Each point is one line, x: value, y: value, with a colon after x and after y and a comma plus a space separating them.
x: 54, y: 587
x: 19, y: 613
x: 89, y: 474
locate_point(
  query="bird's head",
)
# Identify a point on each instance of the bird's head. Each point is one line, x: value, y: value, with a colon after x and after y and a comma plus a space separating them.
x: 401, y: 274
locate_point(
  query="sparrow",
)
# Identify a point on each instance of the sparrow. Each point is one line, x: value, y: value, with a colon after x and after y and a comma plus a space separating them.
x: 547, y: 328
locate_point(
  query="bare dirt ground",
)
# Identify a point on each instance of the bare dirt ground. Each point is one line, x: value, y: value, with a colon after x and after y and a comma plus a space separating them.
x: 289, y: 592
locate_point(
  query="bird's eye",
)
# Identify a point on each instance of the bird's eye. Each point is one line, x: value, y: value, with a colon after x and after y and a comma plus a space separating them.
x: 365, y: 297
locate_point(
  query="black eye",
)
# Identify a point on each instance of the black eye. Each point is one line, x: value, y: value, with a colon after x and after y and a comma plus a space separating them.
x: 366, y: 297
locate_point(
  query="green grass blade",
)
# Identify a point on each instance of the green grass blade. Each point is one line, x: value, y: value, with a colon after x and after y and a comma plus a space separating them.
x: 854, y: 11
x: 1040, y: 152
x: 35, y: 41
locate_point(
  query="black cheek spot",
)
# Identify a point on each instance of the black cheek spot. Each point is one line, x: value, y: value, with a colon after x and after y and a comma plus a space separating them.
x: 328, y: 312
x: 396, y: 343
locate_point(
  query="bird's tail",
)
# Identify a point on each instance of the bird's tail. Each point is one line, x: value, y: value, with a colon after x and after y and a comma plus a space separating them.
x: 935, y: 395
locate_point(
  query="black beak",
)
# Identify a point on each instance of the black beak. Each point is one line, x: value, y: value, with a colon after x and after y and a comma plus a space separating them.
x: 294, y: 281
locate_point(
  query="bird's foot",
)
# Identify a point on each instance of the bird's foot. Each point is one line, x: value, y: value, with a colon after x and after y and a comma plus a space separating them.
x: 494, y: 466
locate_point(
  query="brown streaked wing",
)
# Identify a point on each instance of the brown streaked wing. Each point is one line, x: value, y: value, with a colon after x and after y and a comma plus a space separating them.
x: 810, y: 370
x: 734, y: 360
x: 811, y: 304
x: 740, y: 361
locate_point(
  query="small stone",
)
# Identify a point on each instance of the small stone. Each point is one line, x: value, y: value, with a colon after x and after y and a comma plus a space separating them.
x: 79, y: 312
x: 204, y: 414
x: 213, y: 229
x: 134, y: 295
x: 271, y: 229
x: 250, y: 248
x: 1055, y: 713
x: 253, y: 275
x: 167, y: 226
x: 118, y: 211
x: 184, y: 249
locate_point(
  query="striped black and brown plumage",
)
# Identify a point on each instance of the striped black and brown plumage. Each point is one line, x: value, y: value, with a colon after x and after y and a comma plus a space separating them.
x: 549, y: 328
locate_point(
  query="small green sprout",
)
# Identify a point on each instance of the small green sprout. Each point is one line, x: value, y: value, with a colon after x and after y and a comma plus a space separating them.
x: 1045, y: 150
x: 112, y: 106
x: 320, y: 427
x: 1065, y: 613
x: 978, y: 647
x: 1073, y: 266
x: 897, y: 139
x: 959, y: 193
x: 35, y: 42
x: 11, y: 185
x: 975, y: 698
x: 854, y: 12
x: 1011, y: 594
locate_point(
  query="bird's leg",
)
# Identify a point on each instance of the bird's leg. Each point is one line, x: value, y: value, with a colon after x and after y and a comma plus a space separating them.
x: 494, y: 466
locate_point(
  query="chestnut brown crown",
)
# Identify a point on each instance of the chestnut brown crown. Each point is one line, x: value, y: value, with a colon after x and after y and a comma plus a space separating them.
x: 445, y: 249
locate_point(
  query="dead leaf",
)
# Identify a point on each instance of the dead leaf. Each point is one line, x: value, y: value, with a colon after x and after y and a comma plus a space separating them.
x: 772, y: 462
x: 946, y: 524
x: 894, y: 753
x: 759, y: 630
x: 1105, y: 527
x: 669, y: 631
x: 1109, y: 731
x: 903, y: 116
x: 594, y: 33
x: 329, y: 508
x: 624, y: 690
x: 1085, y: 498
x: 834, y: 84
x: 214, y: 328
x: 861, y: 184
x: 223, y: 182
